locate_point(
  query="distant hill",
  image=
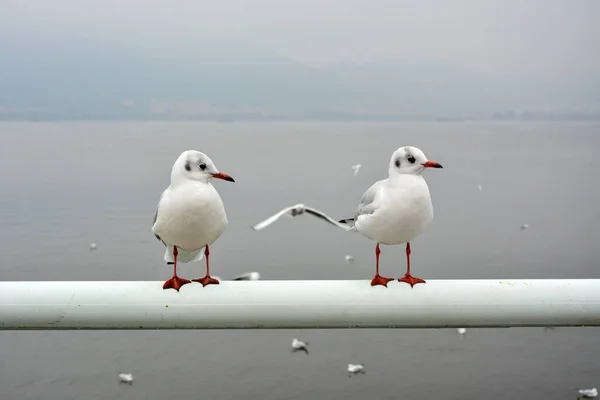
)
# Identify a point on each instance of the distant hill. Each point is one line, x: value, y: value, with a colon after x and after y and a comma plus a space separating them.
x: 79, y: 78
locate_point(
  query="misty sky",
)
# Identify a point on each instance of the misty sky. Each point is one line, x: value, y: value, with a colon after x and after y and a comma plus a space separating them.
x: 541, y: 37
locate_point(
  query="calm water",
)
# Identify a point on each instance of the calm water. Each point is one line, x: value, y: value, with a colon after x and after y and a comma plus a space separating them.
x: 65, y: 185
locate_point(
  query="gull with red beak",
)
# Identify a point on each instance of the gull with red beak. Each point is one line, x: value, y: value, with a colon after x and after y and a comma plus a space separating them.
x: 397, y: 209
x: 190, y: 215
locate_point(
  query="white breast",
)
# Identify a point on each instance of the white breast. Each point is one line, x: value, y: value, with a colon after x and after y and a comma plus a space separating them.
x: 190, y: 216
x: 403, y: 212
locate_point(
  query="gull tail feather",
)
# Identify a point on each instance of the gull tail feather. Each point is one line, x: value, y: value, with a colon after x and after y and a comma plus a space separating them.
x: 350, y: 222
x: 183, y: 256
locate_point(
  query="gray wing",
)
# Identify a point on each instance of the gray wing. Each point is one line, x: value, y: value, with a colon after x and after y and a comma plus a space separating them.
x: 156, y: 216
x: 367, y: 201
x: 323, y: 216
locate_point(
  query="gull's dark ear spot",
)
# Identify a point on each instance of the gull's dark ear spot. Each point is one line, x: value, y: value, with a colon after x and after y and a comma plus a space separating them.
x: 187, y: 166
x: 397, y: 163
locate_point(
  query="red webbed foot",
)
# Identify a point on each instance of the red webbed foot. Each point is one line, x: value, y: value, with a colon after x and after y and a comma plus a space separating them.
x: 207, y: 280
x: 380, y: 280
x: 411, y: 280
x: 175, y: 283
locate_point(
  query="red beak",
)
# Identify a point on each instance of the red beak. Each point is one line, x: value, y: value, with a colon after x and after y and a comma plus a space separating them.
x: 223, y: 176
x: 432, y: 164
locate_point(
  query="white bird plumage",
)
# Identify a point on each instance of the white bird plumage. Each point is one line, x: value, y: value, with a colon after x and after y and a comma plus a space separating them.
x: 356, y: 168
x: 190, y: 214
x: 397, y: 209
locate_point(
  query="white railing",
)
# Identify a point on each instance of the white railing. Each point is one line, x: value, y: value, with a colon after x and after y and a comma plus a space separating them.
x: 300, y: 304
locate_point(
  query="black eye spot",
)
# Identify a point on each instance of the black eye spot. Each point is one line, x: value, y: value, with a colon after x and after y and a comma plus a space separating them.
x: 202, y: 166
x: 411, y: 159
x: 397, y: 163
x: 187, y: 166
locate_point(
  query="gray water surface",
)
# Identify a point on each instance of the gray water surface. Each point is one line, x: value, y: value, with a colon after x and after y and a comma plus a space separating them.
x: 65, y: 185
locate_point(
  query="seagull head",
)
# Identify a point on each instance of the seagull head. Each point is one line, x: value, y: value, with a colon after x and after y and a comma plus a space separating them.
x: 196, y: 166
x: 410, y: 160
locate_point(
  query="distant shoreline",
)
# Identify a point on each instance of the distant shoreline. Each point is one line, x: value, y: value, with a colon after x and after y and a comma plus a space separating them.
x: 6, y: 118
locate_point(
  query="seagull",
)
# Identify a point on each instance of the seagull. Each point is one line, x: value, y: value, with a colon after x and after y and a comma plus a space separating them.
x: 126, y: 378
x: 349, y: 258
x: 93, y: 246
x: 480, y: 188
x: 461, y: 331
x: 587, y: 393
x: 524, y: 226
x: 298, y: 345
x: 397, y: 209
x: 356, y: 168
x: 248, y: 276
x: 190, y: 215
x: 356, y: 369
x: 295, y: 210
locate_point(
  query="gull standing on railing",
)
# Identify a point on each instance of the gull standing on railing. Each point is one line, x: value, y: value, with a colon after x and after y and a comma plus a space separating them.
x: 397, y: 209
x: 190, y: 215
x: 392, y: 211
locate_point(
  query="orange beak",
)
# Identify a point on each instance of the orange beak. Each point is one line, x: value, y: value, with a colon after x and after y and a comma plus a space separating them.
x: 223, y: 176
x: 432, y: 164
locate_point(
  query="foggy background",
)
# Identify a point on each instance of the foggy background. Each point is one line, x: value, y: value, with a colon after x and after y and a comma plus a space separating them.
x: 98, y: 98
x: 329, y: 59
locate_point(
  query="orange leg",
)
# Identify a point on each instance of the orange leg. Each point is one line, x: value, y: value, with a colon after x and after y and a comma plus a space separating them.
x: 175, y: 282
x: 207, y: 280
x: 378, y: 279
x: 408, y: 278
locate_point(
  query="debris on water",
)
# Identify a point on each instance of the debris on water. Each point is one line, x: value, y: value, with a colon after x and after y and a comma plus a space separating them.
x: 298, y: 345
x: 126, y: 378
x: 587, y: 393
x: 549, y: 328
x: 356, y: 369
x: 480, y: 188
x: 524, y: 226
x: 248, y: 276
